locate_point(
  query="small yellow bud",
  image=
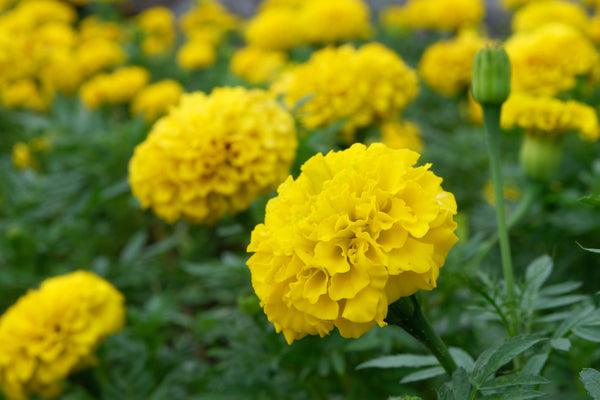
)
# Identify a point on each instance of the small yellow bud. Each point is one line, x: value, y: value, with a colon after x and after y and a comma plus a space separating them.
x: 491, y: 76
x: 540, y: 156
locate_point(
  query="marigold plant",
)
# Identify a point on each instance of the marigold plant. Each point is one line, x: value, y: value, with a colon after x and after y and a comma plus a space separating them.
x: 357, y: 230
x: 54, y: 330
x: 213, y: 154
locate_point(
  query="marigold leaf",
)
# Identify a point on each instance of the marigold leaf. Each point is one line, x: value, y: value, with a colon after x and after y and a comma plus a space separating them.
x: 399, y: 361
x: 514, y: 380
x: 591, y: 380
x: 518, y: 395
x: 461, y: 387
x: 587, y: 333
x: 423, y: 374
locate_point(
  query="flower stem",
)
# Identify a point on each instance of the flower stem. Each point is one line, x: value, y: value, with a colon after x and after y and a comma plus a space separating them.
x: 406, y: 313
x: 491, y: 115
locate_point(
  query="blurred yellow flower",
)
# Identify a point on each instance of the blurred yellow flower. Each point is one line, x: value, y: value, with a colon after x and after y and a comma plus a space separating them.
x: 154, y: 100
x: 402, y: 135
x: 92, y: 27
x: 445, y: 15
x: 360, y: 86
x: 53, y: 331
x: 208, y: 14
x: 257, y: 65
x: 551, y: 117
x: 511, y: 192
x: 117, y: 87
x: 25, y: 93
x: 196, y: 54
x: 95, y: 55
x: 275, y: 28
x: 357, y: 230
x: 334, y: 21
x: 539, y: 62
x: 539, y: 13
x: 213, y: 154
x: 446, y: 66
x: 21, y: 156
x: 158, y: 29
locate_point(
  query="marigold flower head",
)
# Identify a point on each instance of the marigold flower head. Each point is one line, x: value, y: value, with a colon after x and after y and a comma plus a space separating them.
x: 357, y: 230
x: 158, y: 28
x: 362, y: 86
x: 402, y: 135
x: 334, y: 21
x: 91, y: 27
x: 154, y: 100
x: 274, y: 29
x: 196, y: 54
x: 95, y: 55
x: 22, y: 157
x: 539, y: 13
x: 208, y: 13
x: 549, y: 116
x: 444, y: 15
x: 117, y: 87
x: 257, y: 65
x: 446, y: 66
x: 54, y: 330
x: 213, y: 154
x: 26, y: 94
x: 539, y: 65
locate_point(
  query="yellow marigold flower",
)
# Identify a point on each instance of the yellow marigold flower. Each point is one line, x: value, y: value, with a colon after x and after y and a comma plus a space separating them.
x: 536, y: 14
x: 539, y: 65
x: 91, y: 27
x: 445, y: 15
x: 361, y: 86
x: 209, y: 13
x: 39, y: 12
x: 25, y: 93
x: 274, y: 29
x: 446, y: 66
x: 357, y: 230
x: 334, y: 21
x: 158, y: 27
x: 402, y: 135
x: 155, y: 99
x: 213, y: 154
x: 117, y: 87
x: 21, y: 156
x: 257, y: 65
x: 60, y: 73
x: 54, y: 330
x: 95, y: 55
x: 196, y: 54
x: 550, y: 116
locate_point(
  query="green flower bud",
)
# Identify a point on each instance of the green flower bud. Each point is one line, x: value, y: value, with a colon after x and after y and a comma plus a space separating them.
x: 540, y: 156
x: 491, y: 76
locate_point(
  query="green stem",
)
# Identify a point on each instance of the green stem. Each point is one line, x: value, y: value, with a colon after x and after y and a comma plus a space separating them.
x: 491, y: 115
x: 406, y: 313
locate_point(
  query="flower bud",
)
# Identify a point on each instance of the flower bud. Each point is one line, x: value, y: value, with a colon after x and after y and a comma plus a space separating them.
x: 491, y: 76
x: 540, y: 156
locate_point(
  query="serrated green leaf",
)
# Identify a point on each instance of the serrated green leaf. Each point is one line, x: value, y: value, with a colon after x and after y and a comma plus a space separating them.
x: 462, y: 358
x: 562, y: 344
x: 423, y: 374
x: 461, y: 387
x: 535, y: 364
x: 561, y: 288
x: 591, y: 380
x: 517, y: 395
x: 576, y: 317
x: 514, y: 380
x: 538, y: 272
x: 502, y: 354
x: 587, y: 333
x: 400, y: 361
x: 593, y: 200
x: 556, y: 302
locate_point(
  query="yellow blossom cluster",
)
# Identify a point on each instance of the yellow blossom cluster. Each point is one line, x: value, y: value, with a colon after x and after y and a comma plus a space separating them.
x: 52, y: 331
x: 283, y: 25
x: 213, y: 154
x: 548, y: 116
x: 548, y: 60
x: 401, y: 135
x: 157, y: 25
x: 359, y: 86
x: 196, y: 53
x: 539, y: 13
x: 446, y: 66
x: 357, y: 230
x: 154, y: 100
x: 119, y: 86
x: 257, y: 65
x: 208, y: 18
x: 42, y: 52
x: 444, y: 15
